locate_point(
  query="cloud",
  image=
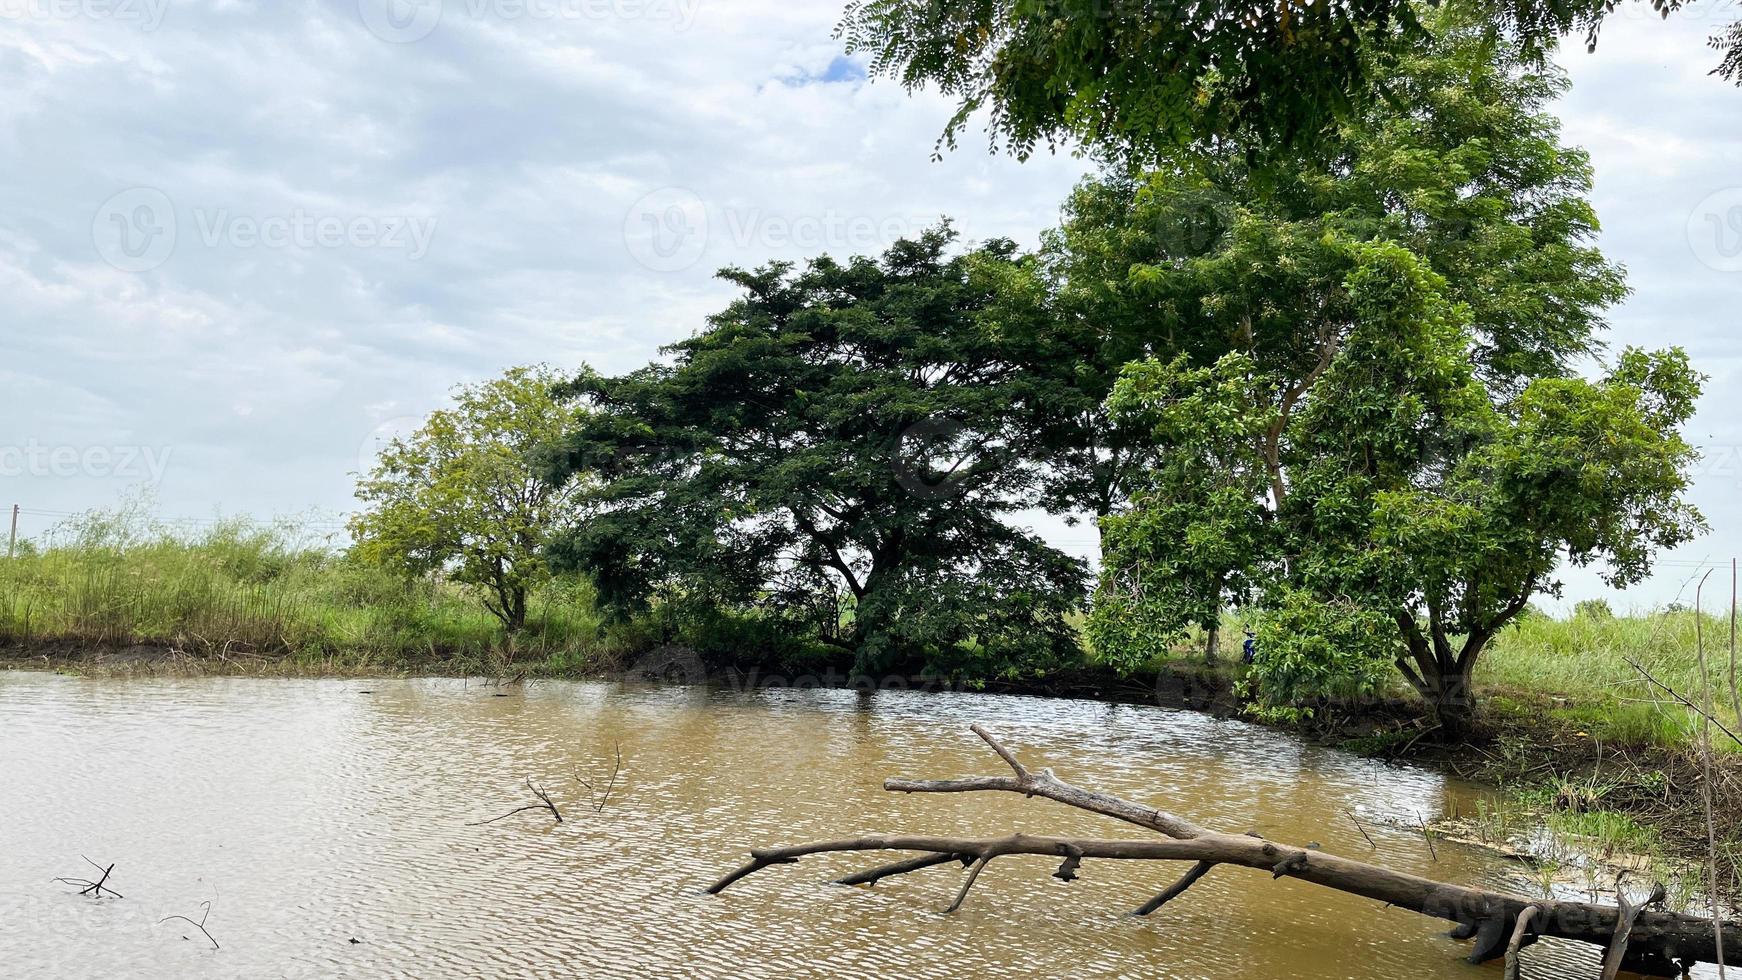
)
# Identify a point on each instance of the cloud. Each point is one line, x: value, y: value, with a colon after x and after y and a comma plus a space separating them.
x: 1665, y: 137
x: 545, y: 145
x: 257, y: 317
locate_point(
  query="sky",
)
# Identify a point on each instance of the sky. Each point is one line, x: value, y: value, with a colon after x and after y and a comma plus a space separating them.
x: 242, y: 243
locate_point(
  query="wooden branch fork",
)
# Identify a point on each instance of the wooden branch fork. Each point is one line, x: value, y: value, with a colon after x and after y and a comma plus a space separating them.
x: 1635, y: 938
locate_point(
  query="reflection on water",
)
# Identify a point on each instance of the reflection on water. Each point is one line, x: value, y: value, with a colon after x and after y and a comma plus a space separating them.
x: 327, y: 822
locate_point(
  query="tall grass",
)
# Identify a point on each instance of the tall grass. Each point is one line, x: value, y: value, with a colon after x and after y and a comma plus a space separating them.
x: 1584, y: 659
x: 247, y: 589
x: 242, y: 589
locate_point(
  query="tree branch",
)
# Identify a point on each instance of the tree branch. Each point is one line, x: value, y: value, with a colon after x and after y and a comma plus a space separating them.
x: 1047, y: 785
x: 1520, y: 930
x: 1491, y: 917
x: 1176, y: 889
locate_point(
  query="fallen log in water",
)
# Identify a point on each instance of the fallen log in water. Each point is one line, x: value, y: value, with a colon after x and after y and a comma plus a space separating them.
x: 1656, y: 943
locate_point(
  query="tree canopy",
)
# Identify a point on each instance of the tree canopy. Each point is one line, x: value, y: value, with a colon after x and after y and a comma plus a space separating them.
x: 1349, y: 347
x: 1211, y: 255
x: 1353, y: 384
x: 841, y: 447
x: 1134, y: 78
x: 1403, y: 511
x: 465, y: 495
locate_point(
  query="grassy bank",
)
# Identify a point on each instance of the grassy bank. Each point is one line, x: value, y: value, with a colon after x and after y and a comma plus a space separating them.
x: 1592, y: 758
x: 1581, y: 663
x: 242, y: 592
x: 116, y: 580
x: 1592, y: 751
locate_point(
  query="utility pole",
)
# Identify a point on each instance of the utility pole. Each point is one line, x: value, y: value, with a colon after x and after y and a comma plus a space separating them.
x: 12, y: 542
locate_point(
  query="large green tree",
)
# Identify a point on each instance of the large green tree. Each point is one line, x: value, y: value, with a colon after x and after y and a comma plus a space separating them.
x: 842, y: 445
x: 465, y: 496
x: 1343, y: 325
x: 1213, y: 255
x: 1406, y: 510
x: 1132, y: 78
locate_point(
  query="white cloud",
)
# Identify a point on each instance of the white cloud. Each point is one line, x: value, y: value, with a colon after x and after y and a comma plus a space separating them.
x: 527, y: 140
x: 1664, y: 135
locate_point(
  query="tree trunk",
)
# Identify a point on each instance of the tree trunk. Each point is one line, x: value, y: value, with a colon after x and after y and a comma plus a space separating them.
x: 1212, y: 641
x: 1441, y: 675
x: 1452, y: 701
x: 1656, y: 943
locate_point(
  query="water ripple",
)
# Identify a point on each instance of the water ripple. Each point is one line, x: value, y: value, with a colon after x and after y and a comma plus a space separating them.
x: 330, y: 830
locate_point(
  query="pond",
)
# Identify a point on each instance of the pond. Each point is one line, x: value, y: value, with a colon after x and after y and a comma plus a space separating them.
x: 331, y: 825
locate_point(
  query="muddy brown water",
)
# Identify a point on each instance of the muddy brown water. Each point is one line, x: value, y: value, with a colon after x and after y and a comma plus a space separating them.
x: 328, y: 824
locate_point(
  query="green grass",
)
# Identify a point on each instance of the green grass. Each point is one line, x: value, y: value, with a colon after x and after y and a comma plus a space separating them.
x: 1583, y: 659
x: 1574, y: 668
x: 244, y: 589
x: 1576, y: 836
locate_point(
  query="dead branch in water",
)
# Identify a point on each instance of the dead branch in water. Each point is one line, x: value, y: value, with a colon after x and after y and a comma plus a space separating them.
x: 1362, y: 829
x: 1433, y: 851
x: 1658, y: 943
x: 200, y: 925
x: 544, y: 803
x: 1521, y: 938
x: 1624, y: 924
x: 95, y: 889
x: 600, y: 801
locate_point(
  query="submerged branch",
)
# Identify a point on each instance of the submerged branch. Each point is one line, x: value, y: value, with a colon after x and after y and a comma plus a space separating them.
x: 1651, y: 942
x: 95, y: 889
x: 544, y: 803
x: 200, y: 925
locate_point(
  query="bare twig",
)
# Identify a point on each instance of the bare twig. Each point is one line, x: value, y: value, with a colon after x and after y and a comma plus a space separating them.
x: 1427, y: 837
x: 1424, y: 733
x: 1677, y: 695
x: 1735, y: 698
x: 95, y: 889
x: 598, y: 802
x: 200, y: 925
x: 544, y: 803
x: 1362, y: 829
x: 1705, y: 782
